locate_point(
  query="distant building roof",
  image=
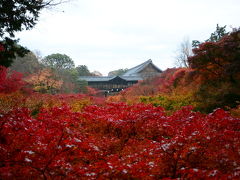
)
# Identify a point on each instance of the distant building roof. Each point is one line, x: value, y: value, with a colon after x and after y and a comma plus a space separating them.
x: 96, y: 78
x: 137, y: 69
x: 108, y: 78
x: 132, y: 74
x: 131, y: 78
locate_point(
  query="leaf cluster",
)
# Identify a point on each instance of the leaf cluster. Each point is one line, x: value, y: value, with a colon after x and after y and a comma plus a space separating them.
x: 118, y: 141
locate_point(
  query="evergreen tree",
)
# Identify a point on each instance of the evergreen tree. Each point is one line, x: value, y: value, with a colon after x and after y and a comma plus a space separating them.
x: 15, y: 16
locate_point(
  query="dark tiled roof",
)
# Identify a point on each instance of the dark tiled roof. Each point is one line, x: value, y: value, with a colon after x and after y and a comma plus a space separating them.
x: 131, y: 75
x: 135, y: 70
x: 131, y: 78
x: 108, y: 78
x: 96, y: 78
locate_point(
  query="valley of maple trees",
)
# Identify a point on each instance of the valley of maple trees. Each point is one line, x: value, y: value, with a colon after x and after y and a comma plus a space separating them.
x: 184, y: 124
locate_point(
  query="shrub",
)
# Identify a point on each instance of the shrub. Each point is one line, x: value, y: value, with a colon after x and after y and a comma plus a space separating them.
x: 118, y: 141
x: 10, y: 81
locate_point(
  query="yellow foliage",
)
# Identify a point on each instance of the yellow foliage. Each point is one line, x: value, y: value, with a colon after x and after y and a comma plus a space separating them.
x: 36, y: 101
x: 9, y: 101
x: 235, y: 111
x: 44, y: 81
x: 170, y: 103
x: 48, y: 101
x: 77, y: 105
x: 116, y: 98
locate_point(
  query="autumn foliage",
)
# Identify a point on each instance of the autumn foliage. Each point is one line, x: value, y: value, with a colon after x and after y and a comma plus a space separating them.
x: 172, y: 90
x: 211, y: 82
x: 218, y: 59
x: 153, y: 130
x: 45, y: 136
x: 118, y: 141
x: 44, y: 81
x: 10, y: 81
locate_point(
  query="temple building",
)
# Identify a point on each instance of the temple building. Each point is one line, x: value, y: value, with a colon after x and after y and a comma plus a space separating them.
x: 117, y: 83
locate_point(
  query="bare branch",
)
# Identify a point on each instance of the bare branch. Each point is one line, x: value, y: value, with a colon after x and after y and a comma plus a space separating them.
x: 183, y: 53
x: 51, y: 3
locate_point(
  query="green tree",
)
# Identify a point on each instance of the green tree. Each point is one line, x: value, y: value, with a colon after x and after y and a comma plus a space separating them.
x: 82, y: 70
x: 10, y: 50
x: 117, y: 72
x: 82, y: 86
x: 69, y: 78
x: 218, y: 34
x: 215, y: 36
x: 15, y: 16
x: 63, y: 65
x: 58, y: 61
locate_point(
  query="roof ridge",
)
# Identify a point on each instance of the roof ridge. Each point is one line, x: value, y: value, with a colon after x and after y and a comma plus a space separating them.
x: 142, y: 63
x: 138, y: 66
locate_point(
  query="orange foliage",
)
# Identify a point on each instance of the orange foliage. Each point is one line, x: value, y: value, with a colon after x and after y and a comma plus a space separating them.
x: 235, y: 111
x: 36, y: 101
x: 172, y: 82
x: 44, y: 81
x: 11, y: 100
x: 218, y: 60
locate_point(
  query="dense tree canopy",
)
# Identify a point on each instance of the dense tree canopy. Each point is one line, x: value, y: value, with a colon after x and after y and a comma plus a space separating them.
x: 15, y: 16
x: 58, y: 61
x: 45, y: 81
x: 218, y: 63
x: 220, y: 58
x: 9, y: 51
x: 82, y: 70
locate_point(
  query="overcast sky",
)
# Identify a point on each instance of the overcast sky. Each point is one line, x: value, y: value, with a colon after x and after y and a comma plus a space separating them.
x: 107, y: 35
